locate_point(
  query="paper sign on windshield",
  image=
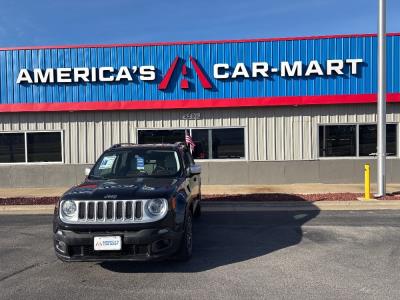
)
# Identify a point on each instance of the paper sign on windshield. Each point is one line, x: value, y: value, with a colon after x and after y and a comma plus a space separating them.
x: 107, y: 162
x: 140, y: 163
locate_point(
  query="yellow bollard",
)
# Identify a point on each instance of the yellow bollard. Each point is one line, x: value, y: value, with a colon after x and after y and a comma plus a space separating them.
x: 367, y: 182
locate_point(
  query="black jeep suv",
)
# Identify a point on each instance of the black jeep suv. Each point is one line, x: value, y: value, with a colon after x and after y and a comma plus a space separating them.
x: 136, y: 203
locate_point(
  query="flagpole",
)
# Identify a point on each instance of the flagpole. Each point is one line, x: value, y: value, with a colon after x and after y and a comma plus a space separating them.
x: 381, y: 108
x: 189, y: 141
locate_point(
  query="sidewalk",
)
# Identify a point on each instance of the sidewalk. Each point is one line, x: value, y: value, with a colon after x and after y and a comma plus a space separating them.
x: 309, y: 188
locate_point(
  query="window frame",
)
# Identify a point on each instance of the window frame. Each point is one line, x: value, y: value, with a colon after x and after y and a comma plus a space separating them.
x: 245, y: 140
x: 357, y: 141
x: 25, y: 133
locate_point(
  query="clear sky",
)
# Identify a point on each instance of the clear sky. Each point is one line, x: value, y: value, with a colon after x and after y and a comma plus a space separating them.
x: 56, y: 22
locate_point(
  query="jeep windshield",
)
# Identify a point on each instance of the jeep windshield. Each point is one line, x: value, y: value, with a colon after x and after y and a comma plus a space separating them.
x: 130, y: 163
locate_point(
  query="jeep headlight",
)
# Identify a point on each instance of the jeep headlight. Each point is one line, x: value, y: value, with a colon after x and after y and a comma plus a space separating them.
x: 156, y: 207
x: 68, y: 208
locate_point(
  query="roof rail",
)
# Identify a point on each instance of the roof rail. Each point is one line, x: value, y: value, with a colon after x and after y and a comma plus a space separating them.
x: 180, y: 144
x: 121, y: 145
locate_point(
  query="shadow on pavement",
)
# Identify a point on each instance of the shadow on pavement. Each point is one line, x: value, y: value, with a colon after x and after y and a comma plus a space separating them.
x: 226, y: 237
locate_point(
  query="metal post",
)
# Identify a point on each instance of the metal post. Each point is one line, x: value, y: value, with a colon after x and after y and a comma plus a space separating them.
x: 367, y: 182
x: 381, y: 179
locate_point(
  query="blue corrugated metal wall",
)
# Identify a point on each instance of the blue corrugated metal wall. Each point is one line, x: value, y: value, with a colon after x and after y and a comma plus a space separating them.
x: 273, y: 52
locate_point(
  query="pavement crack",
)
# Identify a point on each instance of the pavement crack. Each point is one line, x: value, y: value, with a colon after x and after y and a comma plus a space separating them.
x: 19, y: 272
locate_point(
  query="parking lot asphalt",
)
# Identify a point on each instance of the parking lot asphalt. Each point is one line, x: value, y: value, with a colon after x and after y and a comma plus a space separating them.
x: 245, y: 254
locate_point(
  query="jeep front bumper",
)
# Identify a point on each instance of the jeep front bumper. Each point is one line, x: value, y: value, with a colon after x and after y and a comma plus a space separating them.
x: 139, y: 245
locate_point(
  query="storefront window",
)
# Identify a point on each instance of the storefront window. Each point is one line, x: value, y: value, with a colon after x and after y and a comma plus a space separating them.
x: 337, y: 140
x: 161, y: 136
x: 44, y: 146
x: 200, y: 138
x: 226, y: 143
x: 368, y: 139
x: 38, y: 146
x: 341, y: 140
x: 12, y: 147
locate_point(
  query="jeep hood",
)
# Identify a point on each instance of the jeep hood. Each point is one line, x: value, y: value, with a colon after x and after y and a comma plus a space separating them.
x: 124, y: 189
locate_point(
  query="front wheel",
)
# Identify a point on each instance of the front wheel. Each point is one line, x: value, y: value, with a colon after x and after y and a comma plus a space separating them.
x: 197, y: 211
x: 185, y: 249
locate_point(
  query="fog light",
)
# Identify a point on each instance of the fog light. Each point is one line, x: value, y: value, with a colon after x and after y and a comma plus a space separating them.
x: 61, y: 246
x: 160, y: 245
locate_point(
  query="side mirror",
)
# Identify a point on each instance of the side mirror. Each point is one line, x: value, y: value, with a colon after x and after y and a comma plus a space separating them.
x: 87, y: 171
x: 194, y: 170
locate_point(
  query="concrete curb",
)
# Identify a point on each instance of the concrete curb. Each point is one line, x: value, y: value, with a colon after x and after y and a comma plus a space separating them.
x: 230, y: 206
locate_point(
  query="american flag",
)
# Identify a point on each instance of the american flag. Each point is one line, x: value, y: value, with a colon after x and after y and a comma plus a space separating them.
x: 189, y: 141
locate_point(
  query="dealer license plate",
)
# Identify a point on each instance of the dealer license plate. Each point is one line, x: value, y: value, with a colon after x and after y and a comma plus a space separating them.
x: 105, y: 243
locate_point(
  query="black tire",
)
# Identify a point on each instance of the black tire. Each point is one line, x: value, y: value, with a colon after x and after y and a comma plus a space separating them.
x: 185, y: 249
x: 197, y: 212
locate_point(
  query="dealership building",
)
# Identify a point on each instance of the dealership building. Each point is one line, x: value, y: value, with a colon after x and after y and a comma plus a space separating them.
x: 261, y: 111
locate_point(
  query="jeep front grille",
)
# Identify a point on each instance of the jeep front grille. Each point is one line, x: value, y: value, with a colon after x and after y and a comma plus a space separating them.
x: 110, y: 212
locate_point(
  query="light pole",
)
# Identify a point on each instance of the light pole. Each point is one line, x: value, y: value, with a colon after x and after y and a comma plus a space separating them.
x: 381, y: 175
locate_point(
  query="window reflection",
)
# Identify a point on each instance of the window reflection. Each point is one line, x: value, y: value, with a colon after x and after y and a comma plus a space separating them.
x: 368, y: 139
x: 161, y: 136
x: 341, y: 140
x: 337, y: 140
x: 228, y: 143
x: 12, y: 147
x: 200, y: 138
x: 44, y: 147
x: 222, y: 143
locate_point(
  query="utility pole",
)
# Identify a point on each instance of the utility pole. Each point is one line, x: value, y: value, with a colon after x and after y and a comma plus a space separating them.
x: 381, y: 175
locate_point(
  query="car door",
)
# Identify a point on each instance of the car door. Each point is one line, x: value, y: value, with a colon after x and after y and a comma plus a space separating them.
x: 193, y: 179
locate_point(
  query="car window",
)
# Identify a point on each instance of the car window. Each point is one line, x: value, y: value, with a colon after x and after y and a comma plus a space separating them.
x: 137, y: 163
